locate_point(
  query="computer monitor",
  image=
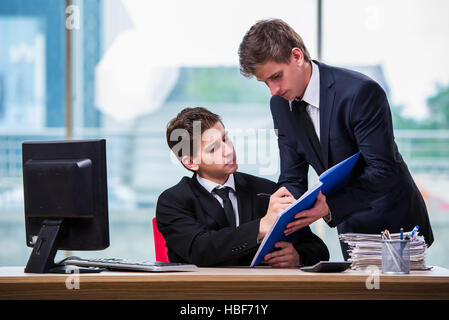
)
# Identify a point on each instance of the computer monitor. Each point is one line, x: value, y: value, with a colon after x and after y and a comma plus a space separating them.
x: 65, y: 196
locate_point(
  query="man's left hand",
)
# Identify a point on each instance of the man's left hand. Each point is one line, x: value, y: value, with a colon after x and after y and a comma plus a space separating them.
x: 309, y: 216
x: 285, y: 257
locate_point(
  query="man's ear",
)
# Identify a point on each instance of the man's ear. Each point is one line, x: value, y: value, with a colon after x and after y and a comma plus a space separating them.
x: 298, y: 56
x: 189, y: 164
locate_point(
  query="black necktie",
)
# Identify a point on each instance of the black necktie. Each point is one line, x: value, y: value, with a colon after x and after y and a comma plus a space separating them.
x: 306, y: 122
x: 223, y: 193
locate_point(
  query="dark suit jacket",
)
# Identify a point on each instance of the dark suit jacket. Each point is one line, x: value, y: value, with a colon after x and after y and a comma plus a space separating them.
x: 354, y: 115
x: 196, y: 231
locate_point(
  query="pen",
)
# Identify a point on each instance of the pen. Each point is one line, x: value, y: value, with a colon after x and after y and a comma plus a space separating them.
x: 401, y: 245
x: 413, y: 231
x: 393, y: 253
x: 266, y: 195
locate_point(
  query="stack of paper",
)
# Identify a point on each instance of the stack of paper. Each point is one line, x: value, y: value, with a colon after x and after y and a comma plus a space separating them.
x: 366, y: 250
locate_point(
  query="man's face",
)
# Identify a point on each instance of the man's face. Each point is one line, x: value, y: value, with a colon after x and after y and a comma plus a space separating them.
x: 286, y: 80
x: 216, y: 157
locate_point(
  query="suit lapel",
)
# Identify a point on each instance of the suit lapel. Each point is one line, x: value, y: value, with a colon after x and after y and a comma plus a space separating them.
x: 244, y: 198
x: 327, y: 96
x: 210, y: 205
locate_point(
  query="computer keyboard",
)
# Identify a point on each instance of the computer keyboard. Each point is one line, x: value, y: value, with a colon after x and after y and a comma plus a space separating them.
x: 129, y: 264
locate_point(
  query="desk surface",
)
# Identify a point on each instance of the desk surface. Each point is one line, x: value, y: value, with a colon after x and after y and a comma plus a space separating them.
x: 226, y: 283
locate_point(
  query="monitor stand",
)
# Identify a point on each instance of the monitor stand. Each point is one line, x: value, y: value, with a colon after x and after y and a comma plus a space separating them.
x: 44, y: 251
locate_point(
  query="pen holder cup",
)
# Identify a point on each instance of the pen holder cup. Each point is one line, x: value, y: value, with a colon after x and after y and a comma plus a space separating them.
x: 395, y: 256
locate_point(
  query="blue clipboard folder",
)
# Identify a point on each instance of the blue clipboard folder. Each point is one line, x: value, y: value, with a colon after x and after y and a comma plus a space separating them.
x: 329, y: 181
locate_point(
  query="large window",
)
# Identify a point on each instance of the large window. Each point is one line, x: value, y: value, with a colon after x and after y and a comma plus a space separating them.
x: 135, y: 64
x: 154, y: 60
x: 32, y: 95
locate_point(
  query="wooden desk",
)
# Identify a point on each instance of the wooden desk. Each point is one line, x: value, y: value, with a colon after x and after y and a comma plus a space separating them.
x: 260, y: 283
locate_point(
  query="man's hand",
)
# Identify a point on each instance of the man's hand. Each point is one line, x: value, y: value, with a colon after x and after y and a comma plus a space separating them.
x: 279, y: 201
x: 309, y: 216
x: 285, y: 257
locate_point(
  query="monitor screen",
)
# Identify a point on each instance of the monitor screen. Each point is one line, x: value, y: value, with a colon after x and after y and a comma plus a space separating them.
x: 65, y: 188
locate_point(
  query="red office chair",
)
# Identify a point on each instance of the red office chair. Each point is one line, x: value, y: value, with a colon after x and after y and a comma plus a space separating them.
x: 159, y: 244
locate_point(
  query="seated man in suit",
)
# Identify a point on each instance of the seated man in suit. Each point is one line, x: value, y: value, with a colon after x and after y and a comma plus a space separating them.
x: 215, y: 218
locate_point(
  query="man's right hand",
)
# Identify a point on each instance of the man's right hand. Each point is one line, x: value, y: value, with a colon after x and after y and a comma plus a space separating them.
x: 279, y: 201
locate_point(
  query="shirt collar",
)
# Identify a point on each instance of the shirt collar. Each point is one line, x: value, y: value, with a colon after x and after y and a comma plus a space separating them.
x: 210, y: 185
x: 312, y: 93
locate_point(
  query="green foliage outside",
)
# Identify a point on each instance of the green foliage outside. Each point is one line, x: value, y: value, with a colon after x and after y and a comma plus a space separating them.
x: 438, y: 119
x: 211, y: 85
x: 217, y: 85
x: 439, y: 108
x: 227, y: 85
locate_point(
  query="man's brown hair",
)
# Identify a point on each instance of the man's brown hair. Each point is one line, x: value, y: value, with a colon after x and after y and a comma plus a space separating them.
x: 186, y: 122
x: 268, y: 40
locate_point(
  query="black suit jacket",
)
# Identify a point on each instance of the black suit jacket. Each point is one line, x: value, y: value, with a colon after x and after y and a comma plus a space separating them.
x: 354, y: 115
x: 196, y: 231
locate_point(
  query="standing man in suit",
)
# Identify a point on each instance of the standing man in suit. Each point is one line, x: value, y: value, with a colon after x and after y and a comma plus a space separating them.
x: 323, y: 115
x: 215, y: 218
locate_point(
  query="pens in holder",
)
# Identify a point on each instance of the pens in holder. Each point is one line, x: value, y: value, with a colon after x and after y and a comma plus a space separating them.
x: 414, y: 231
x: 394, y: 255
x: 401, y: 247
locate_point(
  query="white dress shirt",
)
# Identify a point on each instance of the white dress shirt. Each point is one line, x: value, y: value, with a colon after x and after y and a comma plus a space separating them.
x: 210, y: 186
x: 312, y: 97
